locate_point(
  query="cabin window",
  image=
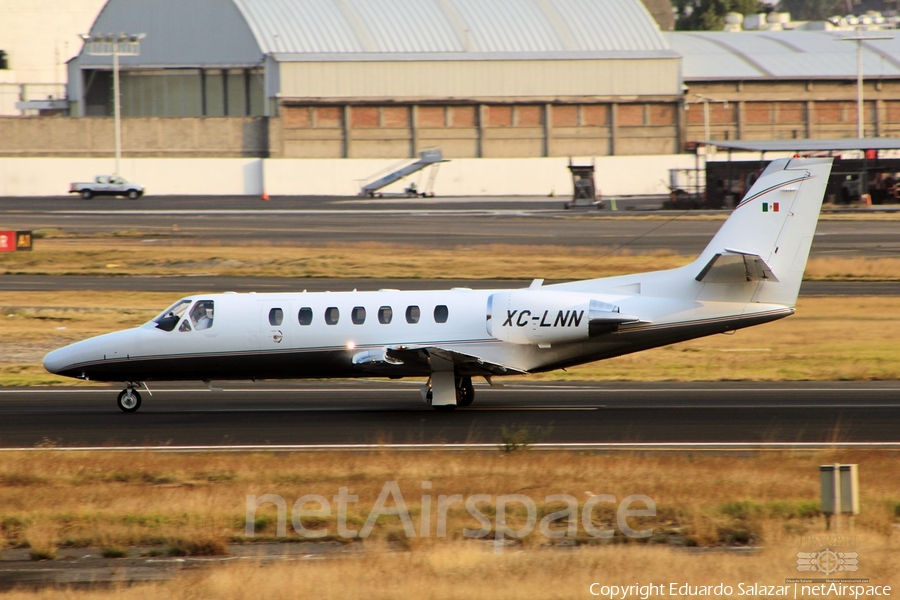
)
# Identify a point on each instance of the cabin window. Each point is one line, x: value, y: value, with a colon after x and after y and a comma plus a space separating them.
x: 185, y: 326
x: 276, y: 316
x: 412, y: 314
x: 170, y: 317
x: 441, y: 313
x: 305, y: 315
x: 332, y: 314
x: 385, y: 314
x: 358, y: 315
x: 202, y: 314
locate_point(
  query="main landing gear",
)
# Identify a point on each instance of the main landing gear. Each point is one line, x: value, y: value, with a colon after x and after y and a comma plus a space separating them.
x: 462, y: 392
x: 129, y: 400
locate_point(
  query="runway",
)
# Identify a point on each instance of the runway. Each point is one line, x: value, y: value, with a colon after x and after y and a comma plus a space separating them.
x: 376, y: 412
x: 438, y: 223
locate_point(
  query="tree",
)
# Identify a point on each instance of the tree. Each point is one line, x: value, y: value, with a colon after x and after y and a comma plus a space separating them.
x: 709, y: 15
x: 813, y: 10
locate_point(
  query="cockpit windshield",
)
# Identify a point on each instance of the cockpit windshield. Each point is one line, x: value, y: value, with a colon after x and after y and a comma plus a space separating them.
x: 200, y: 316
x: 170, y: 317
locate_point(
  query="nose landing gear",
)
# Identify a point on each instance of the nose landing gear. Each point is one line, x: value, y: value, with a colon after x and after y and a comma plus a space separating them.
x: 129, y: 400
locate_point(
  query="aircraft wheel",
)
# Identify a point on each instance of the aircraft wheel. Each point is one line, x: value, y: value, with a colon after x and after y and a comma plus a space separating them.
x: 444, y: 407
x: 129, y: 400
x: 465, y: 392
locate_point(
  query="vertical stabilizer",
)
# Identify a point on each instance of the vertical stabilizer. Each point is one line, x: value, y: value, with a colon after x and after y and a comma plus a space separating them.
x: 763, y: 246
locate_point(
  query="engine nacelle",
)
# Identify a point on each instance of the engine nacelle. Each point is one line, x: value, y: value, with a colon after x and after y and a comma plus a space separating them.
x: 533, y: 316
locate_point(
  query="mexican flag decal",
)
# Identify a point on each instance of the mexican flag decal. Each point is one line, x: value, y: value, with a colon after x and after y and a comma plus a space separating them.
x: 767, y: 207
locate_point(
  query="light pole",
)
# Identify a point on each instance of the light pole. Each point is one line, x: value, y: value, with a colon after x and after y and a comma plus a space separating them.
x: 706, y: 100
x: 859, y: 39
x: 707, y: 146
x: 112, y: 44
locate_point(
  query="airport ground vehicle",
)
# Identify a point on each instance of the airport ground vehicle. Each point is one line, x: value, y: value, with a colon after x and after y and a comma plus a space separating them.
x: 107, y: 185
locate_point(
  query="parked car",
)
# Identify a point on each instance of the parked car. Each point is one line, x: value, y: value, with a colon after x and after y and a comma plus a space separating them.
x: 107, y: 185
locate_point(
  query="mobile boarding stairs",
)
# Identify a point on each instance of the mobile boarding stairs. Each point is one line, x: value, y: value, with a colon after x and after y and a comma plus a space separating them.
x: 428, y: 158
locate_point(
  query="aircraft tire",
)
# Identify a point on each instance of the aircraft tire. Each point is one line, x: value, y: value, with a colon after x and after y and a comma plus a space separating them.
x: 444, y: 407
x: 465, y: 392
x: 129, y: 400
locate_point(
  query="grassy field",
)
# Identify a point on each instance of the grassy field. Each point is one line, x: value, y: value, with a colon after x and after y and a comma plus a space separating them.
x: 127, y: 257
x: 175, y: 504
x: 463, y: 571
x: 828, y: 339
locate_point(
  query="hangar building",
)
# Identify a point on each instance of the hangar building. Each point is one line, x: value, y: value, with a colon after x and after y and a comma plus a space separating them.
x: 771, y: 85
x: 476, y: 78
x: 386, y: 78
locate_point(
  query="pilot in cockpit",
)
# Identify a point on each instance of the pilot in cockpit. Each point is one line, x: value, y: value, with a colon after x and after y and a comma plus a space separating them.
x: 202, y: 315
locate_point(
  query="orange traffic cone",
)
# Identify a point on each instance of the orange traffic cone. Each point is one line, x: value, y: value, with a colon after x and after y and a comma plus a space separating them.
x: 265, y: 196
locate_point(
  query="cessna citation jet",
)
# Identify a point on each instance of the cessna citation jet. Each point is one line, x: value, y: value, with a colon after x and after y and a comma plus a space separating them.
x: 748, y: 275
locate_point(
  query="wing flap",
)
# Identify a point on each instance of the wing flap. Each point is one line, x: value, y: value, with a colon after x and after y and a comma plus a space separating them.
x: 468, y: 364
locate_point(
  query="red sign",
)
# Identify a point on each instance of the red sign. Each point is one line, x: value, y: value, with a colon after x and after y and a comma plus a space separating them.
x: 7, y: 241
x: 10, y: 241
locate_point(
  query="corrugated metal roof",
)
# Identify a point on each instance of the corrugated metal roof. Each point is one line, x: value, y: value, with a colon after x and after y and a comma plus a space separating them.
x: 782, y: 55
x: 301, y: 29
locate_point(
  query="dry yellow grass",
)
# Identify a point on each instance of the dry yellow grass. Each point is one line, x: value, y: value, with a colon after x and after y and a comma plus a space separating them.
x: 125, y: 499
x: 367, y: 260
x: 767, y: 500
x: 852, y: 269
x: 465, y: 570
x: 127, y: 257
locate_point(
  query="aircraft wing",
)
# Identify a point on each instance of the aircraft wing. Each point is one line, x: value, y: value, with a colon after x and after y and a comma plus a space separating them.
x: 425, y: 357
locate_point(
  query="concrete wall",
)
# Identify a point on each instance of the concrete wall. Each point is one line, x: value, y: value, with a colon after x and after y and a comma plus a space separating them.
x: 616, y: 175
x: 164, y: 176
x: 141, y: 136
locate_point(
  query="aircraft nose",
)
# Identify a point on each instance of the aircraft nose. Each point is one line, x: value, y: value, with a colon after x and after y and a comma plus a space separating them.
x: 80, y: 358
x: 57, y: 360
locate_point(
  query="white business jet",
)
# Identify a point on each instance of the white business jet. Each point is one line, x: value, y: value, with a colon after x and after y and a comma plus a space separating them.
x: 749, y: 274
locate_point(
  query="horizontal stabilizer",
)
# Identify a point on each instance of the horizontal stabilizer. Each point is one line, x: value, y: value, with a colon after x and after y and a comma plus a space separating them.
x: 735, y: 266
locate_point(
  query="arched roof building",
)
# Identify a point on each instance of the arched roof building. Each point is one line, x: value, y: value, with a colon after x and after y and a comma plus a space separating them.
x: 376, y: 49
x: 476, y: 78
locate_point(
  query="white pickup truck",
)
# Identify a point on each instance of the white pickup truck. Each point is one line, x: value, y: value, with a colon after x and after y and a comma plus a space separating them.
x: 107, y: 185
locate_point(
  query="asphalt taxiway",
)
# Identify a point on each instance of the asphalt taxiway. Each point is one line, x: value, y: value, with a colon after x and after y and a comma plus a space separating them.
x: 438, y: 223
x: 376, y: 412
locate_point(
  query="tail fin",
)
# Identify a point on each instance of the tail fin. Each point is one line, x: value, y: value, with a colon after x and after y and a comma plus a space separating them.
x: 767, y: 238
